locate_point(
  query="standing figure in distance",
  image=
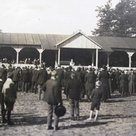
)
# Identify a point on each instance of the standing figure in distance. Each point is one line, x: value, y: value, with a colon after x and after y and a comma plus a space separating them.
x: 74, y: 91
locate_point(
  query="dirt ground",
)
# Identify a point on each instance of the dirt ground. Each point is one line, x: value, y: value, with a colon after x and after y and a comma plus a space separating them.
x: 117, y: 118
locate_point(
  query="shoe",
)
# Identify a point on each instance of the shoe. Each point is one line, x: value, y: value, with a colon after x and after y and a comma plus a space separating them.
x: 50, y: 128
x: 72, y: 118
x: 95, y: 120
x: 10, y: 123
x: 4, y: 121
x: 89, y: 119
x: 77, y: 118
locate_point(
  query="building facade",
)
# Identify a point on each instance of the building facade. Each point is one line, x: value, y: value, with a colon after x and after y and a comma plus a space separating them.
x: 54, y: 49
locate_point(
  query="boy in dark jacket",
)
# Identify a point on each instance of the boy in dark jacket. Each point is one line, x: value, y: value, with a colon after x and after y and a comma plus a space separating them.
x: 96, y: 100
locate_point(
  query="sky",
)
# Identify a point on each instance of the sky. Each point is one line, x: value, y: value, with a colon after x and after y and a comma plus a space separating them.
x: 50, y: 16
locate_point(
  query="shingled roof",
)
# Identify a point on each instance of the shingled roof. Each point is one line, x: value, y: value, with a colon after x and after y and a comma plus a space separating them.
x: 45, y: 41
x: 111, y: 43
x: 49, y: 41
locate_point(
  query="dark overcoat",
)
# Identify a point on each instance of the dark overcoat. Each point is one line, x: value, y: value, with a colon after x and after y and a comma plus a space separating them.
x: 35, y: 74
x: 3, y: 74
x: 15, y: 75
x: 74, y: 88
x: 51, y: 95
x: 131, y: 85
x: 25, y: 75
x: 60, y: 75
x: 104, y: 78
x: 42, y: 76
x: 123, y: 78
x: 90, y: 79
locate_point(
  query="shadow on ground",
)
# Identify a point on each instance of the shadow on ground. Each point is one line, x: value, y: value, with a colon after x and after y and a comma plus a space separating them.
x: 87, y: 124
x: 121, y: 116
x: 28, y: 119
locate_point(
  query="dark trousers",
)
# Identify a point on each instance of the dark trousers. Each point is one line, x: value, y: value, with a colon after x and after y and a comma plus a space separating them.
x: 39, y: 87
x: 2, y: 106
x: 34, y: 87
x: 51, y: 109
x: 74, y: 107
x: 6, y: 110
x: 25, y: 86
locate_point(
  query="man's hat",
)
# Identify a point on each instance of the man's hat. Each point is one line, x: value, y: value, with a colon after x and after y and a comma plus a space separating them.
x: 60, y: 110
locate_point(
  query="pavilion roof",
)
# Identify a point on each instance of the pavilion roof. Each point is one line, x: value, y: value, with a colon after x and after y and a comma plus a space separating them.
x: 51, y: 41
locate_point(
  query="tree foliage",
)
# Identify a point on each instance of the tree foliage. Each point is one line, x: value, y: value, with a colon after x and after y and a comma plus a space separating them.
x: 118, y: 21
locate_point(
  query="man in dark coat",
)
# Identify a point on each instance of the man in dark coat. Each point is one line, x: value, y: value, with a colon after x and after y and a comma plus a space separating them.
x: 90, y: 79
x: 16, y: 76
x: 25, y: 79
x: 74, y: 92
x: 123, y: 78
x: 52, y: 97
x: 42, y: 78
x: 35, y: 74
x: 104, y: 78
x: 3, y: 73
x: 131, y: 82
x: 113, y: 82
x: 117, y: 75
x: 59, y: 78
x: 67, y: 73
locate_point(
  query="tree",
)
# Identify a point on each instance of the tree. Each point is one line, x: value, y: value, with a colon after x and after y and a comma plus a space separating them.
x: 120, y: 21
x: 105, y: 15
x: 125, y: 16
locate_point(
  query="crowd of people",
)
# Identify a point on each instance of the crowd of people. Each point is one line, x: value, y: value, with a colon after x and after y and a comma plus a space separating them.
x: 94, y: 85
x: 23, y: 61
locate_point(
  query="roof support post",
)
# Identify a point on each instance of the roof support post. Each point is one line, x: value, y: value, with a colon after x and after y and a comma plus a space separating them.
x: 92, y: 58
x: 108, y: 59
x: 129, y: 56
x: 40, y: 55
x: 97, y: 58
x: 17, y: 56
x: 58, y: 56
x: 56, y: 61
